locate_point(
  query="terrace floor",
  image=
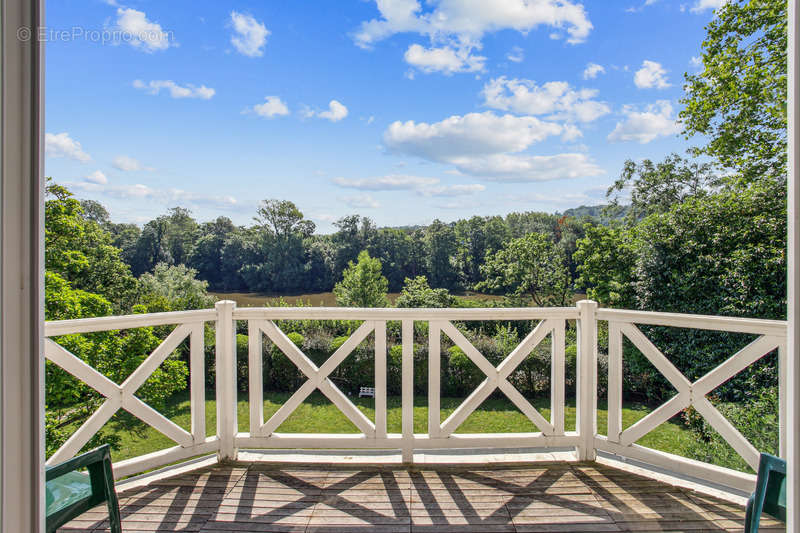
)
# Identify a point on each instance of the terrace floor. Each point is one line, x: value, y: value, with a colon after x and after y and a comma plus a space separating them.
x: 569, y: 497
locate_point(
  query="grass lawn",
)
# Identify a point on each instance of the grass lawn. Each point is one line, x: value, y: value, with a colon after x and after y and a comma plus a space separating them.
x: 318, y: 415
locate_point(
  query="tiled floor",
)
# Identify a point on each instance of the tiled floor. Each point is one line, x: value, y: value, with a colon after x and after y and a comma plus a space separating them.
x: 569, y: 497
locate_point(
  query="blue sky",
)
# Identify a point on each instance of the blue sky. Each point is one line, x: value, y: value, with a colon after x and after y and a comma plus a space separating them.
x: 400, y: 110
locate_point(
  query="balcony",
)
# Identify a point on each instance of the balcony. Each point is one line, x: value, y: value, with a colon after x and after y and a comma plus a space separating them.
x: 549, y: 480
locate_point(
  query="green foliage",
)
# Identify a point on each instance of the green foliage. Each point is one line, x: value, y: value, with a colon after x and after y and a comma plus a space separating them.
x: 756, y: 418
x: 113, y: 354
x: 476, y: 237
x: 737, y: 103
x: 417, y: 293
x: 440, y: 247
x: 656, y: 187
x: 207, y: 252
x: 362, y: 285
x: 174, y: 288
x: 284, y: 375
x: 532, y: 267
x: 724, y: 255
x: 719, y: 254
x: 605, y: 258
x: 81, y: 251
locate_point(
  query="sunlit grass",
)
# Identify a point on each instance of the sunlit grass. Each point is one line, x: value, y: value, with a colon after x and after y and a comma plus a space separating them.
x: 318, y: 415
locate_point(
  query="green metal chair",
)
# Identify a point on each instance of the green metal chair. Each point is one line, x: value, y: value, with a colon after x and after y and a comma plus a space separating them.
x: 70, y: 493
x: 770, y: 494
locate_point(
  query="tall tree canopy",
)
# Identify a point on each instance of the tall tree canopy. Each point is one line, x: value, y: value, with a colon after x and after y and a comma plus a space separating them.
x: 532, y: 267
x: 738, y: 101
x: 362, y: 284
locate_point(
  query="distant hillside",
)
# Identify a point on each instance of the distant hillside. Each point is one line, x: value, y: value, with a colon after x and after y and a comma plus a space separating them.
x: 595, y: 212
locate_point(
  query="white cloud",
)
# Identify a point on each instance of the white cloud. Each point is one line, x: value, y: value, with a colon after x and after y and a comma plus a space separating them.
x: 140, y: 32
x: 453, y: 190
x: 336, y: 112
x: 62, y: 145
x: 474, y: 133
x: 361, y: 200
x: 445, y: 59
x: 250, y: 35
x: 97, y: 177
x: 516, y: 55
x: 525, y: 168
x: 169, y: 197
x: 466, y: 21
x: 175, y: 91
x: 634, y: 9
x: 324, y: 217
x: 703, y: 5
x: 128, y: 164
x: 568, y: 199
x: 657, y: 120
x: 651, y: 75
x: 393, y: 182
x: 398, y: 182
x: 555, y: 98
x: 271, y: 107
x: 592, y: 71
x: 696, y: 62
x: 487, y: 145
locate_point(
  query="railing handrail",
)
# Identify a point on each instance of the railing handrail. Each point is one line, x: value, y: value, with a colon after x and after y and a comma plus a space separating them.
x: 266, y: 320
x: 395, y: 313
x: 755, y: 326
x: 55, y: 328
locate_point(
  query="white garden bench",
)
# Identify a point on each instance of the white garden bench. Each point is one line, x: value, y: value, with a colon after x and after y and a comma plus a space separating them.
x: 368, y: 392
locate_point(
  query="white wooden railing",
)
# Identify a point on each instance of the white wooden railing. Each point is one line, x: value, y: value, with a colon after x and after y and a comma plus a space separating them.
x: 552, y: 322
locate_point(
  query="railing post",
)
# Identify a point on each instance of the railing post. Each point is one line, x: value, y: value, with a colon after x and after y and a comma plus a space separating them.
x: 408, y: 391
x: 586, y: 423
x: 226, y: 381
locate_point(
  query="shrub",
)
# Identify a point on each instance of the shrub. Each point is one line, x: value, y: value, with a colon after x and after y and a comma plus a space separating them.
x: 284, y: 375
x: 756, y: 419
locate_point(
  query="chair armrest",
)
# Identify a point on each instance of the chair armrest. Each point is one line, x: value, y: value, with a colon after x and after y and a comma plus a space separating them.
x: 98, y: 455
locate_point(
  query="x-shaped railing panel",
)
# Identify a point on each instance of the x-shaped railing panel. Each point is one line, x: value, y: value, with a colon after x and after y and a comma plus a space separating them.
x: 317, y: 376
x: 689, y: 393
x: 495, y: 377
x: 123, y: 396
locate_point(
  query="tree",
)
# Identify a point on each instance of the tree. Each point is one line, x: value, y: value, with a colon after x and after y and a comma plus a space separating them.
x: 440, y: 245
x: 283, y: 219
x: 279, y: 254
x: 81, y: 252
x: 207, y: 252
x: 174, y: 288
x: 475, y: 238
x: 394, y: 247
x: 181, y: 234
x: 656, y: 187
x: 355, y: 233
x: 151, y: 248
x: 417, y: 293
x: 362, y: 285
x: 95, y: 211
x: 529, y: 267
x: 720, y: 254
x: 738, y: 100
x: 606, y: 258
x: 114, y: 354
x: 125, y: 237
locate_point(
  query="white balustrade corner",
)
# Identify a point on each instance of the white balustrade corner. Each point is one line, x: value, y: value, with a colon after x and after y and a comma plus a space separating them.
x: 441, y: 434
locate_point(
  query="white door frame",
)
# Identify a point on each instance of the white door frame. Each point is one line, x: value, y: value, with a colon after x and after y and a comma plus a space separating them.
x: 793, y: 359
x: 21, y: 269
